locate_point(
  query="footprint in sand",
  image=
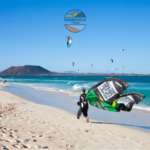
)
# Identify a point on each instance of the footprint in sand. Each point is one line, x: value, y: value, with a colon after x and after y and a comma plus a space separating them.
x: 140, y: 142
x: 3, y: 131
x: 34, y: 140
x: 19, y: 141
x: 41, y: 136
x: 27, y: 140
x: 5, y: 128
x: 52, y: 138
x: 26, y: 146
x: 35, y: 146
x: 15, y: 136
x: 15, y: 130
x: 55, y: 125
x: 10, y: 140
x: 72, y: 146
x: 27, y: 132
x: 81, y: 129
x: 16, y: 146
x: 32, y: 132
x: 127, y: 138
x: 15, y: 115
x: 1, y: 140
x: 65, y: 127
x: 3, y: 135
x: 45, y: 147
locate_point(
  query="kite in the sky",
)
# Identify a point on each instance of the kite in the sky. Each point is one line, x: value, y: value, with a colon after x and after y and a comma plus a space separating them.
x: 123, y: 67
x: 78, y: 69
x: 92, y: 65
x: 73, y: 64
x: 112, y: 60
x: 122, y: 50
x: 108, y: 95
x: 69, y: 41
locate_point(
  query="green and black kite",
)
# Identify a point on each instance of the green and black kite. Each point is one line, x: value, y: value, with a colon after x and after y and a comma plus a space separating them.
x: 108, y: 95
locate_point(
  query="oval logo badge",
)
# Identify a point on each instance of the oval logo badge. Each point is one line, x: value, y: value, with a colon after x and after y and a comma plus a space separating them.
x: 75, y: 20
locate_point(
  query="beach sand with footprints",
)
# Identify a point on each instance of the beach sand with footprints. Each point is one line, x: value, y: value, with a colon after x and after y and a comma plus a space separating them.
x: 25, y: 124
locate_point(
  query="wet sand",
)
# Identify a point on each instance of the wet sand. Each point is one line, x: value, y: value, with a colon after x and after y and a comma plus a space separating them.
x: 25, y: 124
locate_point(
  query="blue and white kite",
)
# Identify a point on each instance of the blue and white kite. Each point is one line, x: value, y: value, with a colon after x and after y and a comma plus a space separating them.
x: 69, y: 41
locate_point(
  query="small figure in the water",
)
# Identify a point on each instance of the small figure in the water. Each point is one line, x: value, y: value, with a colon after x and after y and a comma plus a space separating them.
x: 4, y: 81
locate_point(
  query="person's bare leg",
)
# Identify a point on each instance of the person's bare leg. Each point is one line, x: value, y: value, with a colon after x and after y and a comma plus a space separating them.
x: 87, y: 119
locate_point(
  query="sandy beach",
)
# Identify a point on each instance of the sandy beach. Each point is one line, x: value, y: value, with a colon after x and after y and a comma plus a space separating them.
x: 24, y: 124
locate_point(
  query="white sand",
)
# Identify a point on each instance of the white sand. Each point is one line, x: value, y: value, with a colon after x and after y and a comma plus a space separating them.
x: 24, y: 124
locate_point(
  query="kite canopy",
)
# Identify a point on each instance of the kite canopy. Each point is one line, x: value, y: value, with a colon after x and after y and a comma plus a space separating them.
x: 122, y: 50
x: 112, y: 60
x: 107, y: 95
x: 69, y: 41
x: 92, y: 65
x: 73, y: 63
x: 123, y: 67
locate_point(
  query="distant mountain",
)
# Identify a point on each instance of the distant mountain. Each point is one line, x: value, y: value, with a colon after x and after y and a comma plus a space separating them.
x: 29, y: 70
x: 25, y: 71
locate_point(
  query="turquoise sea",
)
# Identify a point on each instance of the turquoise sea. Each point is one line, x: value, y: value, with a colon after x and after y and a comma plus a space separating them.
x: 72, y: 85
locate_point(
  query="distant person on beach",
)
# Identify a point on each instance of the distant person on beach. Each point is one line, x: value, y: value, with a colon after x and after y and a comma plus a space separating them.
x: 83, y: 103
x: 4, y: 81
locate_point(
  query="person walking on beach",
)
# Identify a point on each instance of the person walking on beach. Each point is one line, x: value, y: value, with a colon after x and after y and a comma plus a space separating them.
x: 4, y: 81
x: 83, y: 103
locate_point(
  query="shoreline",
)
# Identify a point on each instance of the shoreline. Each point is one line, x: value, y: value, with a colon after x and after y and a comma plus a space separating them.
x: 32, y: 125
x: 138, y: 107
x: 68, y: 103
x: 136, y: 119
x: 79, y: 74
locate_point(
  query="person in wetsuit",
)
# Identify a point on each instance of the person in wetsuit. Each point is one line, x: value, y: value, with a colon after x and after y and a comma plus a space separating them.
x: 4, y: 81
x: 83, y: 103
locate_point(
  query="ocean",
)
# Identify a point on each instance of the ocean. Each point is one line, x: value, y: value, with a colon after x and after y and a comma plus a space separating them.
x: 72, y: 85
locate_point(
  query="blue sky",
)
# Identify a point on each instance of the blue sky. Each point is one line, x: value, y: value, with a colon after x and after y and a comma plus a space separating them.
x: 32, y: 32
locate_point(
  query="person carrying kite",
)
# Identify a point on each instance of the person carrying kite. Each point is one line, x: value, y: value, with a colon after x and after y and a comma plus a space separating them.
x: 83, y: 103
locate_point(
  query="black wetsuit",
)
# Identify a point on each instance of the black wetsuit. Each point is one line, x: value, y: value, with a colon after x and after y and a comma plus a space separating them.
x: 83, y: 103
